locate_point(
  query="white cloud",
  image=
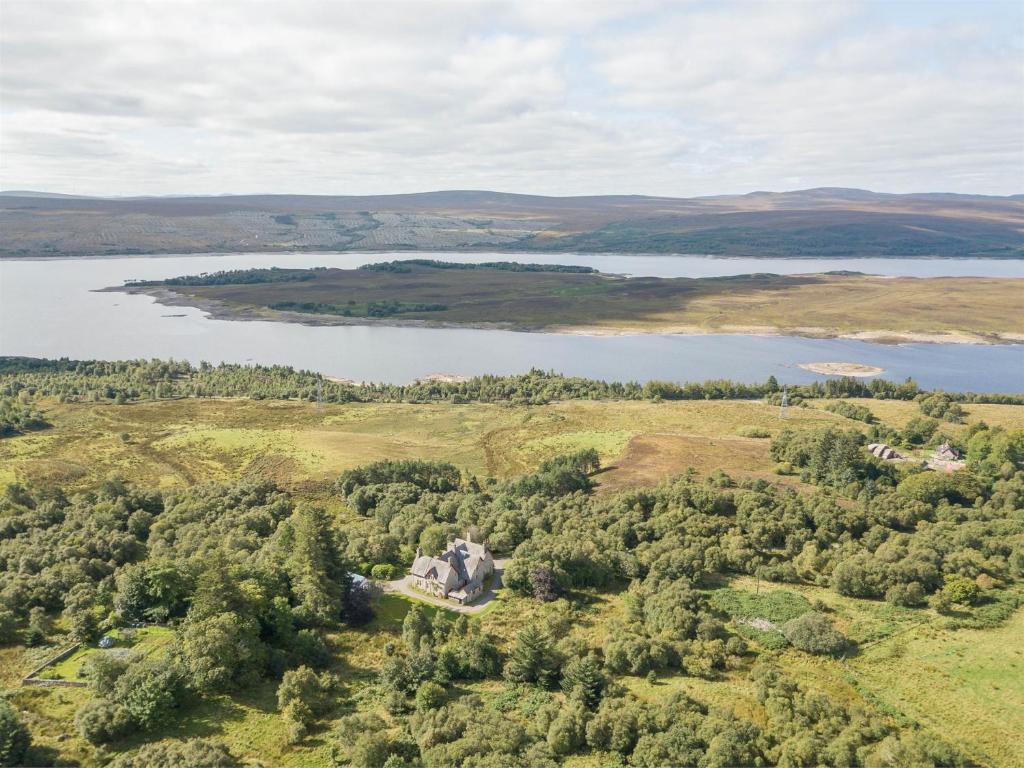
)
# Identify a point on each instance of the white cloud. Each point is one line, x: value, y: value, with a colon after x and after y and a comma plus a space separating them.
x: 113, y: 97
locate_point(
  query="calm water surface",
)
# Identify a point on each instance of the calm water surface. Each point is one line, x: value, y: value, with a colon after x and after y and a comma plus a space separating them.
x: 48, y: 308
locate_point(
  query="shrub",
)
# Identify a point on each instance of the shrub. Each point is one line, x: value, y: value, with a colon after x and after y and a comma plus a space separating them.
x: 430, y: 695
x: 960, y: 589
x: 194, y: 753
x: 382, y: 572
x: 759, y: 432
x: 14, y: 736
x: 908, y: 595
x: 101, y: 721
x: 814, y: 633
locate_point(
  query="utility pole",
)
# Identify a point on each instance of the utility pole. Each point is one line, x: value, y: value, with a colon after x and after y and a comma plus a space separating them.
x: 785, y: 402
x: 319, y: 394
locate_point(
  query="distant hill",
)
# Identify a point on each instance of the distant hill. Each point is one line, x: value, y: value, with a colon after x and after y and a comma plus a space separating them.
x: 812, y: 222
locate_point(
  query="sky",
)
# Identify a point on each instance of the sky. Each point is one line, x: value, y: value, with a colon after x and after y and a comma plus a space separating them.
x: 677, y: 98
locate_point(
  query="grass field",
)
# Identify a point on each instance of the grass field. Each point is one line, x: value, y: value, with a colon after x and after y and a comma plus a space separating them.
x: 816, y: 304
x: 185, y: 441
x: 174, y: 443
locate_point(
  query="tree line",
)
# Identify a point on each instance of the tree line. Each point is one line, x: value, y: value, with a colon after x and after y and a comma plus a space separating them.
x: 130, y: 380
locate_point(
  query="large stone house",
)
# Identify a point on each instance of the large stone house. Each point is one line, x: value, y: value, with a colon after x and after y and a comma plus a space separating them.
x: 458, y: 573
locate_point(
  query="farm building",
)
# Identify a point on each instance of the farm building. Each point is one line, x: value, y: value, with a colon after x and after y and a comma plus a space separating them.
x: 458, y: 573
x: 883, y: 451
x: 947, y: 452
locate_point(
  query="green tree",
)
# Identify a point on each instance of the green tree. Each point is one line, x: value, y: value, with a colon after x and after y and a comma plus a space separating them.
x: 39, y: 627
x: 101, y: 721
x: 583, y: 680
x: 533, y: 658
x: 222, y: 651
x: 567, y: 732
x: 14, y: 736
x: 430, y: 695
x: 8, y: 627
x: 814, y: 633
x: 302, y: 696
x: 148, y: 691
x: 316, y: 567
x: 415, y: 626
x: 960, y: 589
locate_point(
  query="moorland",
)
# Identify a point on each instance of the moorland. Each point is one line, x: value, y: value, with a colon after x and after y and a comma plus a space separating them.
x: 814, y: 222
x: 576, y: 299
x: 692, y: 578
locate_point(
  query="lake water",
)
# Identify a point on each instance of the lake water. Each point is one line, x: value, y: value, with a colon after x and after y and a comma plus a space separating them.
x: 48, y: 308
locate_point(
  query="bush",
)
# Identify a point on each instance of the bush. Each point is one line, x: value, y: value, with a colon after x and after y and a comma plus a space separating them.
x: 382, y: 572
x: 194, y: 753
x: 14, y: 736
x: 960, y: 589
x: 101, y: 721
x: 430, y: 695
x: 908, y: 595
x: 759, y: 432
x: 814, y: 633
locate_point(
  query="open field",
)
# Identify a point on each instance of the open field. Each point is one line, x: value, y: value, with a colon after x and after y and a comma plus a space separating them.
x: 179, y: 442
x: 874, y: 308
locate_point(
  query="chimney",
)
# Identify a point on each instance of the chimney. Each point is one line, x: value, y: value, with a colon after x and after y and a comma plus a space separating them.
x: 469, y: 536
x: 419, y: 551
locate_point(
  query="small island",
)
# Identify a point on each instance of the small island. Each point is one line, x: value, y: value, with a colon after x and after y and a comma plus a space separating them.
x: 577, y: 299
x: 858, y: 370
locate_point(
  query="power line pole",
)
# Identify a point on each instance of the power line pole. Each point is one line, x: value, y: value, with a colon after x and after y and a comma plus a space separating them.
x: 785, y: 402
x: 319, y: 394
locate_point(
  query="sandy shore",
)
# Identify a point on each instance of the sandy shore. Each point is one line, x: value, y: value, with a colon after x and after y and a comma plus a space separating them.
x: 223, y: 311
x: 843, y: 369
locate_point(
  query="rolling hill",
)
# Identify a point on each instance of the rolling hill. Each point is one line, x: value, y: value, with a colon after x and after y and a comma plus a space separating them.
x: 815, y: 222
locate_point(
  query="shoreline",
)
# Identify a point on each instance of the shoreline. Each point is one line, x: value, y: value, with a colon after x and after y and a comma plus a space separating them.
x: 219, y: 310
x: 413, y: 253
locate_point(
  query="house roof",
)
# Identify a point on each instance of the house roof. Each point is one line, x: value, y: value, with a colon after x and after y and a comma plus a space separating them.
x: 463, y: 559
x: 431, y: 568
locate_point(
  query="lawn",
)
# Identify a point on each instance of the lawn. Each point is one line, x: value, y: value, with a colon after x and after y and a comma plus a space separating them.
x: 146, y: 641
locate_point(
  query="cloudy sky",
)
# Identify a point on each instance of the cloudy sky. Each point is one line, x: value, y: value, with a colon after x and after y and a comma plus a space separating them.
x: 668, y: 98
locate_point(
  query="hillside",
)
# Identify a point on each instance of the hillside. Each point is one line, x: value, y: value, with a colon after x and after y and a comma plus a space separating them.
x: 817, y: 222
